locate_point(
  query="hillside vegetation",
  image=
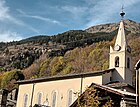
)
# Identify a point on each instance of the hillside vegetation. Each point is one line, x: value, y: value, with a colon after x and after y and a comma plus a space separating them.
x: 74, y: 51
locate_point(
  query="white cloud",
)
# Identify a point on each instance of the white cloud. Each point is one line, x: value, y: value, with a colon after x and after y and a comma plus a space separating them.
x: 44, y: 19
x: 6, y: 17
x: 9, y: 36
x: 130, y: 2
x: 5, y: 14
x: 105, y: 11
x: 4, y: 10
x: 38, y: 17
x: 75, y: 11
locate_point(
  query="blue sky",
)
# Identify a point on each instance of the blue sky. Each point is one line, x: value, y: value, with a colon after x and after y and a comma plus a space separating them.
x: 25, y: 18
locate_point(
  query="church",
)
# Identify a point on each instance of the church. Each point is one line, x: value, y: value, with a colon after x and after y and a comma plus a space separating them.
x: 61, y: 91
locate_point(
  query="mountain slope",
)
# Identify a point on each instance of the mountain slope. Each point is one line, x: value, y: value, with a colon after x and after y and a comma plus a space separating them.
x: 130, y: 25
x: 21, y: 54
x: 70, y: 52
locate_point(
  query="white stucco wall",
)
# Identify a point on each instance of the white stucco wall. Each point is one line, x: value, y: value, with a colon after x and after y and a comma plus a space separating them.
x: 24, y: 89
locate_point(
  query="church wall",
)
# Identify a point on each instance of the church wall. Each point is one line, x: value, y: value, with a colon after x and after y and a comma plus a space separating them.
x: 61, y: 87
x: 107, y: 77
x: 128, y: 76
x: 118, y: 74
x: 88, y: 80
x: 24, y: 89
x: 121, y: 56
x: 122, y: 73
x: 128, y: 55
x: 128, y: 71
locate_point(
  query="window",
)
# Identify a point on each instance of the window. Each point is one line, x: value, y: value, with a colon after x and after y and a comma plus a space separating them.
x: 117, y: 61
x: 110, y: 78
x: 128, y: 62
x: 70, y: 97
x: 54, y: 99
x: 39, y: 98
x: 25, y: 100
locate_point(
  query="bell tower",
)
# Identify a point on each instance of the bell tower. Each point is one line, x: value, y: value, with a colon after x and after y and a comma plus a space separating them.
x: 120, y: 56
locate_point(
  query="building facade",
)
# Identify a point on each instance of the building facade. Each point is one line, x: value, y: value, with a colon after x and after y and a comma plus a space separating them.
x: 58, y: 91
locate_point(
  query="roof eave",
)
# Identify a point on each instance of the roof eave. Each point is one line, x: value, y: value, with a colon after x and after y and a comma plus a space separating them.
x: 70, y: 76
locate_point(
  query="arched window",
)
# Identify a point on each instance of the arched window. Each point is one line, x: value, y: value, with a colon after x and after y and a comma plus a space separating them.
x: 128, y: 62
x: 70, y: 97
x: 25, y: 100
x: 39, y: 97
x: 54, y: 99
x: 117, y: 61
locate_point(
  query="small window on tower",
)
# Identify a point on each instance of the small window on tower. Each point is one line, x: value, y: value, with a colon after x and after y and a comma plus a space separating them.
x: 117, y: 61
x: 110, y: 78
x: 128, y: 62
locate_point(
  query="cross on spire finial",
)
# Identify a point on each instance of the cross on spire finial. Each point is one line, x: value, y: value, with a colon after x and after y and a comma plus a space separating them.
x: 122, y: 13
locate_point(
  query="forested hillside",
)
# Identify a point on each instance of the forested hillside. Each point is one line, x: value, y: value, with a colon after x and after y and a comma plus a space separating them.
x: 73, y: 51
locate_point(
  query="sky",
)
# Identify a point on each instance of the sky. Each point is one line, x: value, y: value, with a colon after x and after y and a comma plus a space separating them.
x: 20, y: 19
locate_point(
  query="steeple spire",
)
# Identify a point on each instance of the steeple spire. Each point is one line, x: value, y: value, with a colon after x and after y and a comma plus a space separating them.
x: 121, y: 39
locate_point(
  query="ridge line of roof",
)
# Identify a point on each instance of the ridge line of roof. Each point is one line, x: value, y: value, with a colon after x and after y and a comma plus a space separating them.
x: 62, y: 77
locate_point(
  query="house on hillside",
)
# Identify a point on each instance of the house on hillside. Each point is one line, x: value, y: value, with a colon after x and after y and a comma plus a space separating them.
x: 3, y: 97
x: 8, y: 98
x: 60, y: 91
x: 106, y: 94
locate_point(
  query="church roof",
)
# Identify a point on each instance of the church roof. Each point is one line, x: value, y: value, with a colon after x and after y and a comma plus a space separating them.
x: 68, y: 76
x: 119, y: 84
x: 123, y: 93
